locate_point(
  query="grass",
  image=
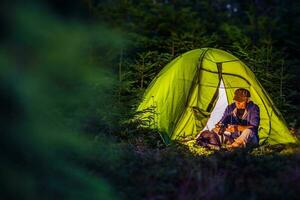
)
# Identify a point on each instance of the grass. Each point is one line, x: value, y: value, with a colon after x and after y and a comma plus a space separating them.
x: 149, y: 170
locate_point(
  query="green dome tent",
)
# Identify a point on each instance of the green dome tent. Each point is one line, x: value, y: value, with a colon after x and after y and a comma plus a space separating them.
x: 182, y: 98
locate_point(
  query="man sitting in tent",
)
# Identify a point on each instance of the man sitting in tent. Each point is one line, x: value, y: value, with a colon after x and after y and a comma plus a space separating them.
x: 241, y: 119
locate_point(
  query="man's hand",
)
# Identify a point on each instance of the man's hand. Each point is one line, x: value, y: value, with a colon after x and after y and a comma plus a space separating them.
x: 232, y: 128
x: 235, y: 128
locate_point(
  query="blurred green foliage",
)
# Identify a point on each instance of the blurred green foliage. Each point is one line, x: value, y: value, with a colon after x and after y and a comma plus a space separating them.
x: 55, y: 97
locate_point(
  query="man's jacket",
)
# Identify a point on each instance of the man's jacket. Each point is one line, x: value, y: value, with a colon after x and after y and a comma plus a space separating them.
x: 249, y: 118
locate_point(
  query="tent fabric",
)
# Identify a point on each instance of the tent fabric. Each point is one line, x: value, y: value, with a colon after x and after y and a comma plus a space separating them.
x: 184, y: 94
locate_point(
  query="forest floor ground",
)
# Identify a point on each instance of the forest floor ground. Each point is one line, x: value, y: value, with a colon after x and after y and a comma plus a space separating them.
x: 147, y: 169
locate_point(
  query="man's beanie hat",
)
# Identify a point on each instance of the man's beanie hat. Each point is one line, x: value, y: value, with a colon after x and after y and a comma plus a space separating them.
x: 241, y: 95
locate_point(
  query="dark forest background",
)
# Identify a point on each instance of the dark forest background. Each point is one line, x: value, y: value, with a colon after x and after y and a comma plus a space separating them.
x: 73, y: 72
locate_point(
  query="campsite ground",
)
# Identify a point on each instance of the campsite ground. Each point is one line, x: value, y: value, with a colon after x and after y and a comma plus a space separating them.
x: 150, y: 170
